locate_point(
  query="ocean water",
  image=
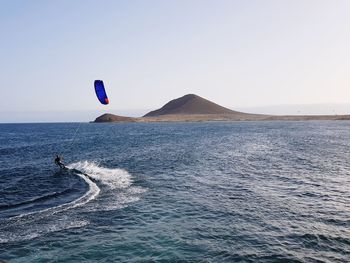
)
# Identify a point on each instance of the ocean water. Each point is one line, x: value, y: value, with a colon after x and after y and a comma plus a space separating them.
x: 176, y: 192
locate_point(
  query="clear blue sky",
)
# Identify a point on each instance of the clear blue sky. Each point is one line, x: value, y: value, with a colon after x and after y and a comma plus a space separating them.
x: 236, y: 53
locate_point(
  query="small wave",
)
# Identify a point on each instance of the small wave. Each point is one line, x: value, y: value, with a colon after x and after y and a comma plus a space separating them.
x: 39, y: 230
x: 112, y: 178
x: 91, y: 194
x: 117, y: 193
x: 35, y: 199
x: 16, y: 228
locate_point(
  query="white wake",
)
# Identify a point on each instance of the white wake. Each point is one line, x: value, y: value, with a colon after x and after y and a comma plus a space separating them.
x: 117, y: 185
x: 114, y: 178
x: 112, y: 186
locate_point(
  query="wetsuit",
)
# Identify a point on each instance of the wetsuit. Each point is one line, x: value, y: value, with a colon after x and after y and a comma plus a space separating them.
x: 59, y: 162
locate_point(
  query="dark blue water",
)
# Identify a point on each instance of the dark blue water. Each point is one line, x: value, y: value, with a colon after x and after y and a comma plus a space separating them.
x: 176, y: 192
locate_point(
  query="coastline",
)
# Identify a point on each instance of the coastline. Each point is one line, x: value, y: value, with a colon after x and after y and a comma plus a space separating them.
x: 219, y: 117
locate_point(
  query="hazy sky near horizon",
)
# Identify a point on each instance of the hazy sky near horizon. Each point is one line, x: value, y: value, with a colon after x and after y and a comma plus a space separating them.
x: 235, y: 53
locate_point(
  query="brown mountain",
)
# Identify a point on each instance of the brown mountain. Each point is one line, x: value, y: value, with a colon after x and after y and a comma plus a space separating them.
x: 195, y: 108
x: 188, y: 105
x: 108, y: 117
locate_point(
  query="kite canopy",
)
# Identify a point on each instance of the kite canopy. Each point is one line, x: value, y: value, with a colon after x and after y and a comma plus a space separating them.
x: 101, y: 92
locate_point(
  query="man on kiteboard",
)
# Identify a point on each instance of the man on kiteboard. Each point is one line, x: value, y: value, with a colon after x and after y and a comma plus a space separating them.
x: 59, y: 162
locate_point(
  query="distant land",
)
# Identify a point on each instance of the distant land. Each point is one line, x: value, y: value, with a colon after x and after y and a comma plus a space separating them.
x: 192, y: 107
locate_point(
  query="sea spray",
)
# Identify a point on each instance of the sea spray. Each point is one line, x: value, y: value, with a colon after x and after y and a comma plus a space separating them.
x: 117, y: 190
x: 113, y: 178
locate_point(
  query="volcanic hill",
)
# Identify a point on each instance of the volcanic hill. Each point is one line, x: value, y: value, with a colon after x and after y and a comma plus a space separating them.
x: 192, y: 107
x: 190, y: 104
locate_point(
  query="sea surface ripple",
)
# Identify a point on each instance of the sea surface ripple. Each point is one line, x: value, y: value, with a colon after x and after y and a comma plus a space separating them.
x: 176, y: 192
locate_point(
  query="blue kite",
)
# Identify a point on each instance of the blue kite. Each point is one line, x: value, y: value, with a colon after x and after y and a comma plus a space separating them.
x: 101, y: 92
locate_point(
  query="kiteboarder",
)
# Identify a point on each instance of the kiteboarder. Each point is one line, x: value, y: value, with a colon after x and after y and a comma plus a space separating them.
x: 59, y: 162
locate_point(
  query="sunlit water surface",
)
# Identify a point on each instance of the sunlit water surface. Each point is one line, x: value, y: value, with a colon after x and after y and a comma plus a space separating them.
x: 183, y: 192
